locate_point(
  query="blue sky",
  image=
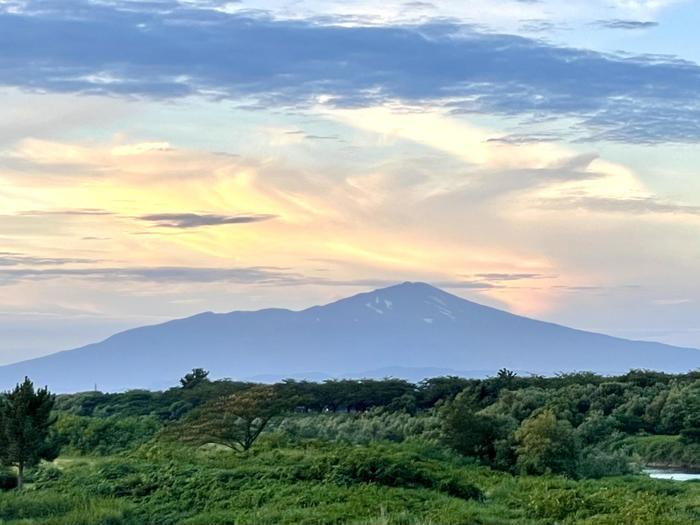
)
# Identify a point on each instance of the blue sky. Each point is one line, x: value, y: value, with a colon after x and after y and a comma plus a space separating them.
x: 160, y: 158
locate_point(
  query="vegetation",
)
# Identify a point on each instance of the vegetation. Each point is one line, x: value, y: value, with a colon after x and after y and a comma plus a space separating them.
x: 546, y: 444
x: 234, y: 421
x: 25, y: 423
x: 507, y: 450
x: 671, y: 451
x: 195, y: 378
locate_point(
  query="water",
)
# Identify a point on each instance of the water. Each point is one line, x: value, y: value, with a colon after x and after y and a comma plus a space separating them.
x: 676, y: 475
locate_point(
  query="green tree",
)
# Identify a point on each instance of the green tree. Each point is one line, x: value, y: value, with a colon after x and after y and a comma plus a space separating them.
x: 596, y: 428
x: 681, y: 408
x: 25, y: 427
x: 235, y: 421
x: 546, y: 444
x: 195, y: 378
x: 476, y: 433
x: 506, y: 377
x: 690, y: 433
x: 436, y: 389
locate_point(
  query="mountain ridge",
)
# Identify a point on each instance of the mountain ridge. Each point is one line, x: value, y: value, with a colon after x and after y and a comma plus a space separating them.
x: 408, y: 326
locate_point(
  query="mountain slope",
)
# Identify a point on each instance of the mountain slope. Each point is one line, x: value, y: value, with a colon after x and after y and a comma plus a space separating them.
x: 404, y: 327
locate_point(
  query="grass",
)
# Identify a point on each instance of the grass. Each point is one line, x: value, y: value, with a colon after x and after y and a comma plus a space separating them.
x: 38, y: 507
x: 320, y: 483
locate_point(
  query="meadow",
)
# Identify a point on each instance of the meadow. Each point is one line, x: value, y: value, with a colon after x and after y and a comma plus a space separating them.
x: 379, y: 452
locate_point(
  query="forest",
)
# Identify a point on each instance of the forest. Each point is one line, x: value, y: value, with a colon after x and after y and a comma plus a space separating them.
x: 505, y: 450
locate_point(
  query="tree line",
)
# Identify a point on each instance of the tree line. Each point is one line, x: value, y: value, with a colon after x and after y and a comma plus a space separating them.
x: 564, y: 424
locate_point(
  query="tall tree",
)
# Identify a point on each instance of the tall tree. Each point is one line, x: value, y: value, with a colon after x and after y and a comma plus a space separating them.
x: 235, y: 421
x: 25, y: 425
x: 476, y: 433
x: 195, y: 378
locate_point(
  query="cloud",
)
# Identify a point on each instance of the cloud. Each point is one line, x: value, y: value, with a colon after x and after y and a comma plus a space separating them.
x: 17, y: 259
x: 672, y: 302
x: 307, y: 136
x: 195, y: 220
x: 76, y: 212
x: 258, y: 275
x: 511, y: 276
x: 168, y: 50
x: 419, y: 5
x: 634, y: 206
x: 524, y: 138
x: 625, y: 24
x: 537, y: 25
x: 322, y: 137
x: 465, y: 285
x: 167, y: 274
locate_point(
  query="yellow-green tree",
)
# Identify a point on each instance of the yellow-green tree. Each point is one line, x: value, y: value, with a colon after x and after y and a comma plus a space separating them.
x: 546, y: 444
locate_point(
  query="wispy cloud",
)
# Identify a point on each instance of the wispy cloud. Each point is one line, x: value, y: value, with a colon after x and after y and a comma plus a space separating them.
x: 511, y: 276
x: 466, y: 285
x: 258, y: 275
x: 196, y: 220
x: 419, y: 5
x: 169, y: 50
x: 635, y: 206
x: 17, y: 259
x: 168, y: 274
x: 616, y: 23
x: 76, y: 212
x: 524, y: 138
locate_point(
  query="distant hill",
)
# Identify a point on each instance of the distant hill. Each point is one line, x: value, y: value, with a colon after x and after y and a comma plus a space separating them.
x: 410, y: 330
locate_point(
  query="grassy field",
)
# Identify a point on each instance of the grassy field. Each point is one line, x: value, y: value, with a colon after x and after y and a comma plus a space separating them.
x: 318, y: 482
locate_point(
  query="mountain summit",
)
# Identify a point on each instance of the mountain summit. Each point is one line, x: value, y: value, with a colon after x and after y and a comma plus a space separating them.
x: 408, y: 330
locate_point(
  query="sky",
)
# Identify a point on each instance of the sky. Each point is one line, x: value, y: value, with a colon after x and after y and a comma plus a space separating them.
x: 160, y: 158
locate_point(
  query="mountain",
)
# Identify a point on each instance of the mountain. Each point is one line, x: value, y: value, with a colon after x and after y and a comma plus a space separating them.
x: 403, y: 330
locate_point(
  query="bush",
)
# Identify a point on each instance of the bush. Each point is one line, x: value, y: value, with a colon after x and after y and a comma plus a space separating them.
x: 105, y: 436
x: 46, y: 473
x: 383, y: 466
x: 663, y: 450
x: 597, y: 463
x: 556, y: 503
x: 362, y: 427
x: 455, y: 485
x: 555, y: 500
x: 8, y: 480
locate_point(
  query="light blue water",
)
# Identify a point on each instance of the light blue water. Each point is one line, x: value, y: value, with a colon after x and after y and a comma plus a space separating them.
x: 675, y: 475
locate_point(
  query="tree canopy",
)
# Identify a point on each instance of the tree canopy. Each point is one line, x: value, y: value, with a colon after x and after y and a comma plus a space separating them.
x: 25, y: 427
x: 237, y: 420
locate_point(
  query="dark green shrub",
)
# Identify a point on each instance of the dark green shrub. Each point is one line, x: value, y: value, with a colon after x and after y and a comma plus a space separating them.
x: 459, y: 487
x: 8, y: 480
x: 387, y: 467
